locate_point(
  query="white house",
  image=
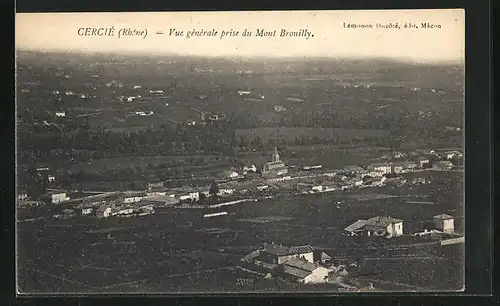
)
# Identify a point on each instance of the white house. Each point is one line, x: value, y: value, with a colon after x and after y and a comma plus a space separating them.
x: 103, y: 212
x: 225, y: 191
x: 60, y: 114
x: 246, y: 169
x: 377, y: 226
x: 317, y: 188
x: 278, y: 254
x: 452, y: 154
x: 397, y: 168
x: 422, y: 161
x: 129, y: 199
x: 444, y: 223
x: 193, y: 196
x: 86, y: 211
x: 22, y: 196
x: 443, y: 165
x: 52, y: 178
x: 382, y: 168
x: 305, y: 272
x: 59, y: 197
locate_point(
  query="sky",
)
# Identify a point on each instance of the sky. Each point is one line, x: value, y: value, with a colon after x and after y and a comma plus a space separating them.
x: 59, y: 32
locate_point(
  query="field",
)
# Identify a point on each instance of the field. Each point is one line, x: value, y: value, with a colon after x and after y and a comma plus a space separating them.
x: 179, y: 251
x: 288, y: 133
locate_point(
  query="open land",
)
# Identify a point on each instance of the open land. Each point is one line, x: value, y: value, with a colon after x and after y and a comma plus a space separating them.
x: 333, y: 114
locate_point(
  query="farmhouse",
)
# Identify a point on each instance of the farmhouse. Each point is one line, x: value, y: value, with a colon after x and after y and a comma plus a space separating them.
x: 383, y: 168
x: 155, y: 185
x: 59, y: 197
x: 103, y: 212
x: 452, y: 154
x: 409, y: 166
x: 377, y: 226
x: 304, y: 271
x: 444, y: 223
x: 277, y: 254
x: 397, y: 168
x: 423, y: 161
x: 443, y: 165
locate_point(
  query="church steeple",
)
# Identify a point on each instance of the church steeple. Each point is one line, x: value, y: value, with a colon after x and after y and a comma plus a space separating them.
x: 276, y: 156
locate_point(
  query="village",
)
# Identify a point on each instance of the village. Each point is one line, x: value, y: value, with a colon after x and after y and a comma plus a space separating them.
x: 247, y: 184
x: 299, y: 264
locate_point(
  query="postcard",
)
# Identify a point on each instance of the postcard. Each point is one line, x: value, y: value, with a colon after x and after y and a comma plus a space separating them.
x: 240, y: 152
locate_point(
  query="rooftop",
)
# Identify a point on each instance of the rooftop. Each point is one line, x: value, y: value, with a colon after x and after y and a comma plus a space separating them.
x: 301, y: 264
x: 382, y: 221
x: 280, y: 250
x: 356, y: 226
x: 443, y: 217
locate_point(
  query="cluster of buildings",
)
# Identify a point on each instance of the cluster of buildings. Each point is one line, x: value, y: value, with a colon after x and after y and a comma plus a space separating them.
x: 302, y: 264
x: 106, y: 205
x: 390, y: 227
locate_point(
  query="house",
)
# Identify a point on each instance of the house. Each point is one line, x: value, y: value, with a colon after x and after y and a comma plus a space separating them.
x: 305, y: 272
x: 155, y: 185
x: 443, y: 165
x: 383, y: 168
x: 377, y: 226
x: 452, y: 154
x: 315, y: 167
x: 444, y: 223
x: 262, y: 188
x: 397, y: 168
x: 321, y: 257
x: 277, y: 254
x: 59, y: 197
x: 60, y: 114
x: 192, y: 196
x: 68, y: 213
x: 121, y: 211
x: 423, y: 161
x: 317, y: 188
x: 353, y: 169
x: 225, y: 191
x: 304, y: 186
x: 146, y: 210
x: 357, y: 181
x: 103, y: 211
x: 356, y: 228
x: 132, y: 199
x: 246, y: 169
x: 22, y: 196
x: 409, y: 166
x: 85, y: 211
x: 229, y: 175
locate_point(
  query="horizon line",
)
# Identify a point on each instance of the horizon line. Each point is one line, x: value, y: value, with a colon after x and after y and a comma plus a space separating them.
x: 402, y: 60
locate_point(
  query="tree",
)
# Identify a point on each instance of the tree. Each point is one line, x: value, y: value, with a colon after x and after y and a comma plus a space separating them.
x: 214, y: 189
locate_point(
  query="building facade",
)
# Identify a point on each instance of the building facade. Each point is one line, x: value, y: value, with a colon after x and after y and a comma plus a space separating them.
x: 275, y: 167
x: 444, y: 223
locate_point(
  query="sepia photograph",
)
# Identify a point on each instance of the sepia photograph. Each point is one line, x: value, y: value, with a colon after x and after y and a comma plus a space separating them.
x: 240, y: 152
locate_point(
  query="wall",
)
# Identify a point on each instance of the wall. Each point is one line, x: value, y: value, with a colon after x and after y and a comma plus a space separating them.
x: 395, y: 229
x: 56, y: 198
x: 282, y: 259
x: 445, y: 225
x: 398, y: 228
x: 453, y: 241
x: 317, y: 276
x: 449, y: 226
x: 308, y: 256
